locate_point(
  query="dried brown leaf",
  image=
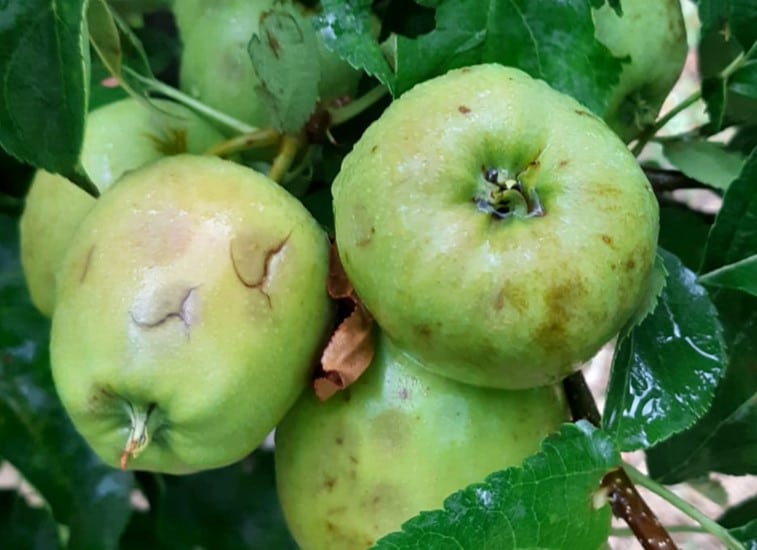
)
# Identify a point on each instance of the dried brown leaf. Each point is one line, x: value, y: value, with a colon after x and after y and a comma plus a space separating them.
x: 348, y: 354
x: 338, y: 284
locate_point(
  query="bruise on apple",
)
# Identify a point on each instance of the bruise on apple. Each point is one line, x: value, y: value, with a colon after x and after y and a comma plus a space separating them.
x: 168, y: 303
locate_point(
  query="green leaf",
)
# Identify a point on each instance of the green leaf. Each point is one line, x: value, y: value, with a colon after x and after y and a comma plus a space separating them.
x: 733, y: 237
x: 44, y: 67
x: 228, y: 508
x: 36, y: 436
x: 283, y: 55
x: 117, y: 47
x: 510, y: 508
x: 553, y: 41
x: 714, y: 95
x: 744, y: 81
x: 22, y: 526
x: 665, y: 373
x: 725, y: 439
x: 648, y: 301
x: 747, y: 535
x: 741, y: 275
x: 740, y: 513
x: 683, y: 232
x: 731, y: 18
x: 345, y: 28
x: 705, y: 161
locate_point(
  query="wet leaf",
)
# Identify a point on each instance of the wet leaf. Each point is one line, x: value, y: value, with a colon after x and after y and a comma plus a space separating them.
x: 510, y: 508
x: 345, y: 28
x: 36, y: 435
x: 44, y: 67
x: 725, y: 439
x: 665, y: 372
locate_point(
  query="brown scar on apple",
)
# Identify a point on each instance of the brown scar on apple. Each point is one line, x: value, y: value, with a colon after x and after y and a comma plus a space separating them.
x: 251, y: 257
x: 87, y: 262
x: 165, y: 308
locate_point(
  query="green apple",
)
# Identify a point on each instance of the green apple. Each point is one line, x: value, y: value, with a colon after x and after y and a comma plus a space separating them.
x: 53, y: 210
x: 495, y: 228
x: 652, y: 33
x: 118, y: 137
x: 397, y: 442
x: 216, y: 67
x: 191, y: 307
x: 129, y: 133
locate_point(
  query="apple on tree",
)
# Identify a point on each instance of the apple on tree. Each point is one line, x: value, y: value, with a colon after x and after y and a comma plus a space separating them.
x: 653, y: 35
x: 191, y: 306
x: 118, y: 137
x: 396, y: 442
x: 215, y: 63
x: 497, y: 230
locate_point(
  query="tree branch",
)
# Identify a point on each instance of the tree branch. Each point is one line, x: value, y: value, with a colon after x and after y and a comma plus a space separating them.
x: 664, y: 181
x: 627, y: 504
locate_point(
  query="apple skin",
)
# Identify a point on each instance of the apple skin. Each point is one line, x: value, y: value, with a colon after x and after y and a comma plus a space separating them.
x: 653, y: 34
x: 216, y: 67
x: 127, y: 134
x: 397, y: 442
x: 192, y: 302
x: 53, y: 210
x: 118, y: 137
x: 512, y: 301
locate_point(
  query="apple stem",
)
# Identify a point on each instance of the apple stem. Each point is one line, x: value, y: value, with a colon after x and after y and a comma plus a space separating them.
x: 290, y: 145
x: 139, y: 437
x: 244, y: 142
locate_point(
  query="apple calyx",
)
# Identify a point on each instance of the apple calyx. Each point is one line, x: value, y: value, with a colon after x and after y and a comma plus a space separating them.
x: 503, y: 196
x: 139, y: 436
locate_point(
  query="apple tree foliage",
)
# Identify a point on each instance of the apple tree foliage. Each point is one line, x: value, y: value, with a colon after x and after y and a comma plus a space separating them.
x: 683, y: 385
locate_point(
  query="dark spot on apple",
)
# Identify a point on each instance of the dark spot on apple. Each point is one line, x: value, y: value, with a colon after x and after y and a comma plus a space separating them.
x: 339, y: 440
x: 630, y: 264
x: 366, y: 240
x: 403, y: 393
x: 354, y: 460
x: 87, y: 263
x: 331, y: 528
x: 329, y: 482
x: 607, y: 240
x: 534, y: 163
x: 374, y: 148
x: 614, y: 266
x: 465, y: 70
x: 559, y: 300
x: 563, y: 163
x: 423, y: 331
x: 463, y: 109
x: 510, y: 296
x: 581, y: 112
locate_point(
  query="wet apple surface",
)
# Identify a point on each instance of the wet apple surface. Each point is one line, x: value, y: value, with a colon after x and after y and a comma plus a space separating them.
x: 503, y: 233
x: 396, y: 442
x: 191, y: 307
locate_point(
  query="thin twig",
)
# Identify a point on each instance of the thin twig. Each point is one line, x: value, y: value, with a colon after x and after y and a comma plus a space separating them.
x: 663, y: 180
x: 627, y: 504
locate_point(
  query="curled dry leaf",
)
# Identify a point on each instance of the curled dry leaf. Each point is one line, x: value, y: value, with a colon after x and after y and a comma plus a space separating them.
x: 351, y: 347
